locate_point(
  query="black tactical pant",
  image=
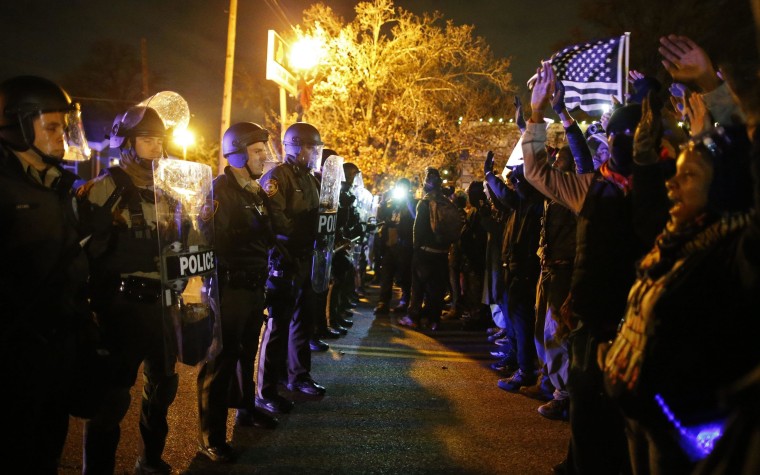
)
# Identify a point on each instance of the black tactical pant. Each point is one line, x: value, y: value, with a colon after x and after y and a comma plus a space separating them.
x: 134, y: 334
x: 227, y: 380
x: 287, y: 330
x: 36, y: 417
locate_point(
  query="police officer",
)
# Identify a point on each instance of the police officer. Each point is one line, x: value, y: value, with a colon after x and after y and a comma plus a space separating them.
x: 126, y: 295
x: 293, y: 192
x: 348, y: 230
x: 243, y: 237
x: 43, y: 283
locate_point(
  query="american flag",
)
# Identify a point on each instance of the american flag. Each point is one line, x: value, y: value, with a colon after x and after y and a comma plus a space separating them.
x: 591, y: 72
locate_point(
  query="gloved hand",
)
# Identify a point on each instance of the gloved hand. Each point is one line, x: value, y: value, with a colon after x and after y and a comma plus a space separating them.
x: 558, y: 100
x: 641, y: 86
x: 646, y: 140
x: 519, y: 119
x: 488, y: 164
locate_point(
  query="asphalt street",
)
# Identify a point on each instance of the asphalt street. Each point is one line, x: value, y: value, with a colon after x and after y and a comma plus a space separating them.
x: 398, y: 401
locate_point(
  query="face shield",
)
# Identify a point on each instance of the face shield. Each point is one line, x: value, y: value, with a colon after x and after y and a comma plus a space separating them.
x: 260, y: 158
x: 310, y: 156
x: 357, y: 185
x: 60, y: 135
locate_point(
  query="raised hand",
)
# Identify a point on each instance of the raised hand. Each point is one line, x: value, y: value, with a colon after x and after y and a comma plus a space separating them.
x: 543, y: 89
x: 488, y: 164
x: 558, y: 100
x: 699, y: 117
x: 634, y: 76
x: 686, y: 61
x: 519, y: 119
x: 646, y: 140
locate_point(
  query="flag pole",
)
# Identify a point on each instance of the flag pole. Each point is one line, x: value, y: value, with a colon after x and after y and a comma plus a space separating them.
x: 627, y: 40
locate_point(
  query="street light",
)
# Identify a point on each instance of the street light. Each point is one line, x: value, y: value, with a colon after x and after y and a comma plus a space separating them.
x: 183, y: 138
x: 306, y: 53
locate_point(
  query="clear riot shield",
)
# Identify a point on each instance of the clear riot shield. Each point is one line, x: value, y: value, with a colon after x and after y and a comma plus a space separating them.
x: 184, y: 212
x: 171, y: 107
x: 329, y: 196
x: 364, y: 207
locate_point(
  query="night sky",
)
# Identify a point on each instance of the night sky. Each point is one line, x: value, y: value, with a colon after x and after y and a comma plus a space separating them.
x: 187, y: 38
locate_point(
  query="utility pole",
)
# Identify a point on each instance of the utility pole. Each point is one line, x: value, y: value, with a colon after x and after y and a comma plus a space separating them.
x: 144, y: 61
x: 228, y: 69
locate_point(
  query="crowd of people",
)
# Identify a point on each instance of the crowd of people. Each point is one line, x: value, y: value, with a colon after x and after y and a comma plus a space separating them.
x: 618, y: 275
x: 620, y: 270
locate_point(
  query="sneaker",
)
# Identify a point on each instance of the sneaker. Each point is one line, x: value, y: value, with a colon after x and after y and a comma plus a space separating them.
x: 556, y: 409
x: 406, y: 321
x: 452, y: 314
x: 537, y: 392
x: 513, y: 383
x: 506, y: 365
x: 502, y: 354
x: 501, y: 341
x: 142, y: 467
x: 496, y: 335
x: 221, y: 453
x: 493, y: 330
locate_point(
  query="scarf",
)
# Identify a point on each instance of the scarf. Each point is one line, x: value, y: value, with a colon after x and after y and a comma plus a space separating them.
x: 625, y: 183
x: 142, y: 177
x: 703, y: 233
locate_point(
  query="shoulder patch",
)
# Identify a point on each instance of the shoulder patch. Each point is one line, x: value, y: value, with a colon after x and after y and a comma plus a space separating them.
x: 209, y: 210
x: 271, y: 187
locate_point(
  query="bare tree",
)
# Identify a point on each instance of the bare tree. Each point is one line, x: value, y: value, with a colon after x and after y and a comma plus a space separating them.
x: 394, y: 89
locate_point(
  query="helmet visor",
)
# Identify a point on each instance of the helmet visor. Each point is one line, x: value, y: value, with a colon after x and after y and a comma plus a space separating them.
x: 61, y: 135
x: 312, y: 156
x: 75, y: 143
x: 272, y: 158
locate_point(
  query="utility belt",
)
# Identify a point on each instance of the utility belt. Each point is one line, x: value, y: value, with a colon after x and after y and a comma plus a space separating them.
x: 140, y: 289
x: 244, y: 279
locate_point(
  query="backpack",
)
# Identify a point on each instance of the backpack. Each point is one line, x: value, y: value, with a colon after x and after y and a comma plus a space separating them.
x: 446, y: 220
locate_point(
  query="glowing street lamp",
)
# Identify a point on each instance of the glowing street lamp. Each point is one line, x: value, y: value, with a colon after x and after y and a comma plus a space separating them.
x: 183, y: 138
x: 306, y: 53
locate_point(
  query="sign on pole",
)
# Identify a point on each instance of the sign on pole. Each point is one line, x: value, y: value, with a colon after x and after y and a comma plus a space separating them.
x: 277, y: 70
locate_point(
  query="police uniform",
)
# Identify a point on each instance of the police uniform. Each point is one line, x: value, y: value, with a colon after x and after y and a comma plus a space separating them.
x: 242, y: 241
x: 126, y: 295
x: 43, y: 294
x: 294, y: 201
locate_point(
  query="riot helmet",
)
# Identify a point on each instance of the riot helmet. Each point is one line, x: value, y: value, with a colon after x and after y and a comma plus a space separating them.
x: 246, y: 145
x: 303, y: 145
x: 38, y: 114
x: 138, y: 121
x: 350, y: 170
